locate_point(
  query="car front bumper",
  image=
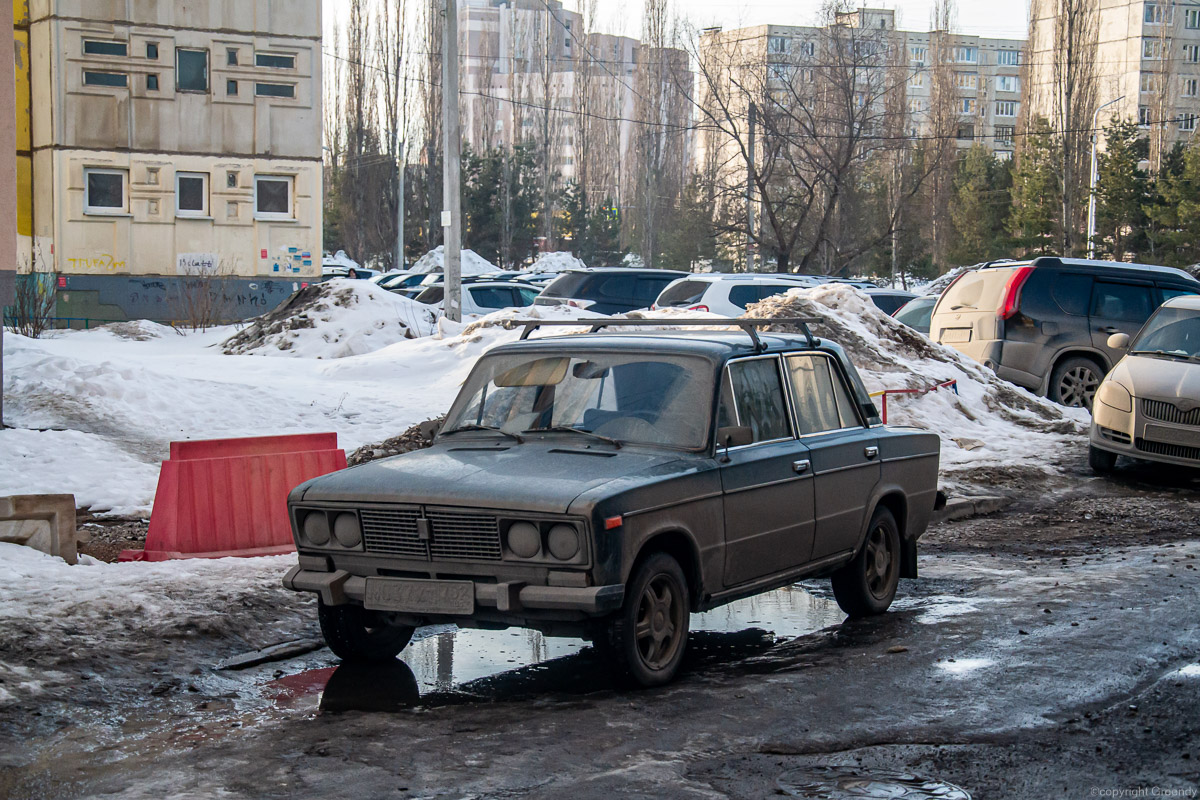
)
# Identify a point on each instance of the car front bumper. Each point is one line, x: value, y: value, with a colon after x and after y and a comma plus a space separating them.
x: 339, y: 587
x: 1137, y: 435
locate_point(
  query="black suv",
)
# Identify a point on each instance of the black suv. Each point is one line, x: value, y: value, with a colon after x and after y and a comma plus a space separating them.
x: 1044, y: 324
x: 612, y: 290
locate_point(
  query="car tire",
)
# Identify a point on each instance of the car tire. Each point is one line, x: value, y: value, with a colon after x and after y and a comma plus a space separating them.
x: 647, y: 638
x: 1102, y: 462
x: 1074, y: 382
x: 866, y: 586
x: 354, y: 633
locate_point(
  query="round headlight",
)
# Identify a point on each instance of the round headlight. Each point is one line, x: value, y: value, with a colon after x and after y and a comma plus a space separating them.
x: 316, y: 528
x: 524, y: 540
x: 563, y: 542
x: 347, y: 531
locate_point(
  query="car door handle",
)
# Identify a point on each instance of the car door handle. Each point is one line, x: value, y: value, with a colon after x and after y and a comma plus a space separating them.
x: 801, y: 467
x: 871, y: 452
x: 1110, y: 329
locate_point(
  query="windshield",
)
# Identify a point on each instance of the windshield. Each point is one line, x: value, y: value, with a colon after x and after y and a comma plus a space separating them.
x: 1174, y: 331
x: 682, y: 293
x: 656, y: 399
x: 917, y: 313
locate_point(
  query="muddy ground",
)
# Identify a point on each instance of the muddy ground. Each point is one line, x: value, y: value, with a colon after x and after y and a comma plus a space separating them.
x: 1052, y: 650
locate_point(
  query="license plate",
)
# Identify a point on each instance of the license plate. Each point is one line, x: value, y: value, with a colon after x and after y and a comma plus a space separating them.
x: 1161, y: 433
x: 955, y: 335
x: 417, y: 596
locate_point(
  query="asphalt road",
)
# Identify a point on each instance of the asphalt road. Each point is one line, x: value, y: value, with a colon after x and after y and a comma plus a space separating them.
x: 1052, y: 650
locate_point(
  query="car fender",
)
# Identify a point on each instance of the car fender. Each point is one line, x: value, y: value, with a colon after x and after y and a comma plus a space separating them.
x: 1072, y: 348
x: 905, y: 521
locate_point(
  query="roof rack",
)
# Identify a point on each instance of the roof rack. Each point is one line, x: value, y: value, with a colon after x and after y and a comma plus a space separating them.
x: 750, y: 326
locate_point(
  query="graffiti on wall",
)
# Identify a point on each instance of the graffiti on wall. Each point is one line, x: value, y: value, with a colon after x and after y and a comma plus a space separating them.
x: 101, y: 262
x: 196, y: 264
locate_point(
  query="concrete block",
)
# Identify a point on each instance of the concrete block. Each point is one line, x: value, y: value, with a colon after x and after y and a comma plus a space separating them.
x: 967, y: 507
x: 44, y: 522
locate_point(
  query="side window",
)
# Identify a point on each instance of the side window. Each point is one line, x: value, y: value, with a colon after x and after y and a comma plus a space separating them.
x: 1121, y: 301
x: 822, y: 402
x: 1072, y: 292
x: 648, y: 289
x: 754, y: 391
x: 492, y: 296
x: 1169, y: 292
x: 619, y: 287
x: 744, y: 295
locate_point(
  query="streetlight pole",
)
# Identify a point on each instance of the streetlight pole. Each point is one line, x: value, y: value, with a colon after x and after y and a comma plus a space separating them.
x: 1095, y: 177
x: 451, y: 175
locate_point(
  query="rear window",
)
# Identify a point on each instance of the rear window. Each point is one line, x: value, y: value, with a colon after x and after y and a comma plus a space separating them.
x: 492, y: 296
x: 981, y: 290
x: 601, y: 287
x: 684, y: 293
x: 916, y: 313
x: 431, y: 295
x: 567, y: 285
x: 889, y: 303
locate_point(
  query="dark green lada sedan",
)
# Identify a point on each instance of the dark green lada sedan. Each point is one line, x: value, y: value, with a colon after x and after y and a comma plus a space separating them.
x: 607, y: 485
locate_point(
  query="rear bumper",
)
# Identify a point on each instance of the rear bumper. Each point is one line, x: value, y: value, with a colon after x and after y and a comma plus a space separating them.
x: 340, y: 587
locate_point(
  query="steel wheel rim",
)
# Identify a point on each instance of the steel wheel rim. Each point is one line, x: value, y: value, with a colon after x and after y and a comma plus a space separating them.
x: 1077, y: 387
x: 659, y: 631
x: 880, y: 562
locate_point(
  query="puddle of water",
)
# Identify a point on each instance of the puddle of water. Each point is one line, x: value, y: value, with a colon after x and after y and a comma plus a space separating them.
x: 845, y: 783
x: 964, y: 666
x: 786, y: 612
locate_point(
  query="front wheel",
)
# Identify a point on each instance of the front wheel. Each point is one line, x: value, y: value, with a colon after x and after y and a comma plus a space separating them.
x: 867, y: 585
x: 648, y: 636
x: 354, y: 633
x: 1074, y: 382
x: 1102, y: 462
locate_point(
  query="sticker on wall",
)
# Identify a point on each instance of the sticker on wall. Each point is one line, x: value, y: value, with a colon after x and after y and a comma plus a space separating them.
x: 264, y: 254
x: 293, y: 249
x: 308, y: 262
x: 196, y: 263
x: 295, y: 269
x: 306, y: 254
x: 276, y: 268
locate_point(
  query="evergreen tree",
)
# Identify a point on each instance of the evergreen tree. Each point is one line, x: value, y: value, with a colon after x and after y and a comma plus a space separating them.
x: 1036, y: 204
x: 1122, y: 192
x: 981, y: 203
x: 1176, y: 210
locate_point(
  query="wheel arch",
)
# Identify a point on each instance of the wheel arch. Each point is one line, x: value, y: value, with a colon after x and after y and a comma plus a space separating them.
x: 1075, y: 351
x: 680, y: 545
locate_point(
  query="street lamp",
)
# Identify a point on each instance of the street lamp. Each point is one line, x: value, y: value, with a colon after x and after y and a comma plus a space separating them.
x: 1091, y: 228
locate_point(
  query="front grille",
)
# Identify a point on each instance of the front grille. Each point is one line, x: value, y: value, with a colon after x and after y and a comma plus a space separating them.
x: 474, y: 537
x: 393, y: 532
x: 1170, y: 450
x: 1167, y: 412
x: 453, y: 536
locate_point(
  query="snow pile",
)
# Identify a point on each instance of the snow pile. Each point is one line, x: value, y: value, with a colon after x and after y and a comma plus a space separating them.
x: 335, y: 319
x: 339, y: 259
x: 472, y: 262
x: 556, y: 262
x: 989, y: 421
x: 633, y: 260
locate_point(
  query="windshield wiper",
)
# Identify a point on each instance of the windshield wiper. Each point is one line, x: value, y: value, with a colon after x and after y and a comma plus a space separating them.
x: 1162, y: 353
x: 956, y: 308
x: 569, y: 429
x: 493, y: 429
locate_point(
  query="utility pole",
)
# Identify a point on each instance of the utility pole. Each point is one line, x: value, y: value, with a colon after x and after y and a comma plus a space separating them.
x: 402, y: 163
x: 1095, y: 178
x: 750, y: 192
x: 452, y: 173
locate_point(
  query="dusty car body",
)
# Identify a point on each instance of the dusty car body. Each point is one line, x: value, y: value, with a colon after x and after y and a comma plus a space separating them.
x: 608, y: 485
x: 1148, y: 407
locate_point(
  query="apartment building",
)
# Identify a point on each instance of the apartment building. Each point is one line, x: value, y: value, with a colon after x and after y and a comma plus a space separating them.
x: 161, y: 143
x: 1147, y: 65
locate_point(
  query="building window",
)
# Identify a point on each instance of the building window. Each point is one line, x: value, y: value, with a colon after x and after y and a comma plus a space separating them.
x: 274, y: 90
x: 918, y: 106
x: 1008, y: 83
x: 231, y: 88
x: 152, y: 51
x: 1005, y: 133
x: 1187, y: 120
x: 151, y: 83
x: 231, y: 57
x: 1004, y: 155
x: 1149, y: 83
x: 191, y: 70
x: 777, y: 44
x: 104, y: 191
x: 1191, y: 18
x: 966, y: 131
x: 1008, y: 58
x: 1190, y: 88
x: 1151, y: 49
x: 1157, y: 14
x: 191, y: 194
x: 100, y: 47
x: 918, y: 54
x: 1144, y: 116
x: 808, y: 48
x: 966, y: 105
x: 231, y: 178
x: 273, y: 196
x: 966, y: 80
x: 966, y: 55
x: 917, y: 81
x: 272, y: 61
x: 1191, y: 53
x: 118, y: 79
x: 1007, y: 108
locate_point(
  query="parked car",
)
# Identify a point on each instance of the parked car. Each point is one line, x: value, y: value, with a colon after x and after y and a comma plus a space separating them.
x: 342, y: 271
x: 724, y: 294
x: 1148, y: 407
x: 609, y: 485
x: 857, y: 283
x: 916, y: 313
x: 484, y: 297
x: 889, y: 301
x: 612, y: 290
x: 1044, y: 324
x: 389, y: 280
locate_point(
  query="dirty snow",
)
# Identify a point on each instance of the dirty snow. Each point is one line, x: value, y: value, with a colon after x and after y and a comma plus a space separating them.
x: 472, y: 262
x: 962, y: 667
x: 335, y: 319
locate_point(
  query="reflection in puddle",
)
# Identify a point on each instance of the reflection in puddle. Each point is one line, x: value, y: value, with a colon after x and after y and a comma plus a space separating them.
x: 446, y: 664
x: 845, y: 783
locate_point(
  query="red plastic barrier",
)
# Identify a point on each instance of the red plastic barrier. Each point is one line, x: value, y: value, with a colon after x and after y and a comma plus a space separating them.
x: 228, y: 497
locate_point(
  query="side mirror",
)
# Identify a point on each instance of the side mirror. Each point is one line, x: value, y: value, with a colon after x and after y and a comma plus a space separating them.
x: 734, y: 436
x: 1119, y: 341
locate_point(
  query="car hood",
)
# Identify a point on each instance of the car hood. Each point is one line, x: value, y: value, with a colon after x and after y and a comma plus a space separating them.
x: 539, y: 476
x: 1160, y: 378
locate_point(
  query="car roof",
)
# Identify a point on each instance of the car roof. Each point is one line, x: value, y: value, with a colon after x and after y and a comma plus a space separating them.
x: 742, y: 277
x: 1101, y: 266
x: 715, y: 345
x: 896, y: 292
x: 1189, y: 301
x: 626, y: 271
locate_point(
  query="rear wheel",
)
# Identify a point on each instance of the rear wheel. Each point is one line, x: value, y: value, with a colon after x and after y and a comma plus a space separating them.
x: 1074, y: 382
x: 648, y: 636
x: 867, y: 585
x: 1102, y: 462
x: 354, y: 633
